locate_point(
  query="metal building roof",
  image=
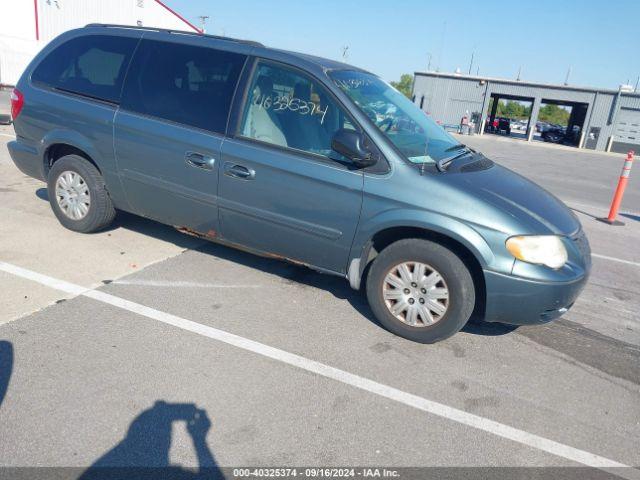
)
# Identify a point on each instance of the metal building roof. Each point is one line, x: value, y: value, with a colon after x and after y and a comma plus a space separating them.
x: 508, y: 81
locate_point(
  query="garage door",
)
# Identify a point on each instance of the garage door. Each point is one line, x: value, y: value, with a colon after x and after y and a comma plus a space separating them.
x: 627, y: 131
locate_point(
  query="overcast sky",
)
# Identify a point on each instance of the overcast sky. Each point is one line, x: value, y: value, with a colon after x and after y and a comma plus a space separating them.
x: 599, y: 40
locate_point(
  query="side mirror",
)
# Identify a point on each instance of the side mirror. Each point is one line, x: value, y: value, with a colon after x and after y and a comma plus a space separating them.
x: 351, y: 144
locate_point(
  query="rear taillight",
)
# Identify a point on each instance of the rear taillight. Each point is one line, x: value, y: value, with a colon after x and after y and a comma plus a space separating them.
x: 17, y: 102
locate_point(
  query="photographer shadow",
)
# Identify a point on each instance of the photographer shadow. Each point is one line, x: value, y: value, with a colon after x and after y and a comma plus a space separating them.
x: 6, y: 367
x: 144, y: 452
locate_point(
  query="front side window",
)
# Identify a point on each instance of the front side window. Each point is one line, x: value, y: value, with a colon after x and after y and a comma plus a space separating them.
x: 413, y: 133
x: 93, y: 65
x: 183, y: 83
x: 289, y: 109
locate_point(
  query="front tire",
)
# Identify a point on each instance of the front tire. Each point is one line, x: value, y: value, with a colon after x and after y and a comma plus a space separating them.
x: 420, y: 290
x: 78, y: 195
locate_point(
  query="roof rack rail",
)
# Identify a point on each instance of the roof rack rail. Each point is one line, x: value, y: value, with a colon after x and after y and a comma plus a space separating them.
x: 179, y: 32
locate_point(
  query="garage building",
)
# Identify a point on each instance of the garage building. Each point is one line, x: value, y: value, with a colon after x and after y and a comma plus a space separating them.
x: 28, y: 25
x: 607, y: 120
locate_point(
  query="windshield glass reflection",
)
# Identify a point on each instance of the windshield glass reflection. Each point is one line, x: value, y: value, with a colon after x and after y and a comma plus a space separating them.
x: 415, y: 135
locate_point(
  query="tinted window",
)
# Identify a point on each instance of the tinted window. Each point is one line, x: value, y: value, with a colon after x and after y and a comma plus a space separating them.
x: 93, y: 65
x: 289, y: 109
x: 182, y: 83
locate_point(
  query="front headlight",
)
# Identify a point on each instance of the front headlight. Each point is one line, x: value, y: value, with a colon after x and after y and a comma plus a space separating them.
x: 540, y: 249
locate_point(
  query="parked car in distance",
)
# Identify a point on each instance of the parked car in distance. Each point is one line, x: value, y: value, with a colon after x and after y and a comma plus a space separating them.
x: 498, y: 124
x: 295, y: 157
x: 505, y: 125
x: 559, y: 134
x: 541, y: 126
x: 553, y: 134
x: 519, y: 125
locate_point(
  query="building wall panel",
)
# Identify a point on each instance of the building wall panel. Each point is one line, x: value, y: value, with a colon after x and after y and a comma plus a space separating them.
x: 601, y: 112
x: 448, y: 97
x: 18, y: 42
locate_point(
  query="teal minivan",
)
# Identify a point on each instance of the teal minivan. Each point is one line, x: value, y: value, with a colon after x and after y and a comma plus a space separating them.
x: 298, y: 157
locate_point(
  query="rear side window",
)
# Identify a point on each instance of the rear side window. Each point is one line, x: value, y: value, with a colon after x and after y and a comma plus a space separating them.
x: 182, y: 83
x: 93, y: 66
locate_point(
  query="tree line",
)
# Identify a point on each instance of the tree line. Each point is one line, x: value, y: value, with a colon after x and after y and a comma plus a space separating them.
x: 548, y: 112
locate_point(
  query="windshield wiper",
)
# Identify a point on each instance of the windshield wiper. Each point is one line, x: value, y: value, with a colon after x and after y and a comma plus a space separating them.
x: 456, y: 147
x: 443, y: 162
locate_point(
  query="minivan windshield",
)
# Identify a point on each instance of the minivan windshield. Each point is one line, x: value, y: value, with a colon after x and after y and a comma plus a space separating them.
x: 417, y: 136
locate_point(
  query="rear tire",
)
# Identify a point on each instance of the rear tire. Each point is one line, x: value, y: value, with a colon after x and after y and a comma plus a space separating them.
x: 96, y: 210
x: 456, y: 280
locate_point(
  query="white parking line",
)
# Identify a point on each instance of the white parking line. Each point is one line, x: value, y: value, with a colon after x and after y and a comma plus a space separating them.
x: 386, y: 391
x: 7, y: 135
x: 178, y: 284
x: 614, y: 259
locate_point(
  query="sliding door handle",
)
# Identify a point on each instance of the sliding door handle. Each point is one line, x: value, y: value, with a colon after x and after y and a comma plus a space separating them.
x: 239, y: 171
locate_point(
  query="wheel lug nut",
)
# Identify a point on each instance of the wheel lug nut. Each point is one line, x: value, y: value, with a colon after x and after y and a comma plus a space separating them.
x: 411, y: 301
x: 414, y: 284
x: 406, y: 291
x: 422, y: 300
x: 423, y: 290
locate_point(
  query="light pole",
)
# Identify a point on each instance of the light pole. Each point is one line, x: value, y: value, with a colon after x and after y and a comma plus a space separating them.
x: 566, y: 79
x: 203, y: 20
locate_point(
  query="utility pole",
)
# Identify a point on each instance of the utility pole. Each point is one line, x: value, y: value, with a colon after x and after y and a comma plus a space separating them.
x: 566, y: 79
x: 345, y: 50
x: 471, y: 62
x: 203, y: 20
x: 635, y: 89
x: 519, y: 72
x: 429, y: 64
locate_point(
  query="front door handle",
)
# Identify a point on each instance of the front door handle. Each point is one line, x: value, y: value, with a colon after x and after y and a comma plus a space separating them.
x: 198, y: 160
x: 239, y: 171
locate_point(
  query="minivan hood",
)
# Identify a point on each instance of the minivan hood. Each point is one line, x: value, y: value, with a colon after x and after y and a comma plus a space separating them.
x: 526, y: 202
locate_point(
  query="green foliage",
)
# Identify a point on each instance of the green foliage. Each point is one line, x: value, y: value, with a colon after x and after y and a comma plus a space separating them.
x: 405, y: 85
x: 512, y: 109
x: 553, y: 114
x: 522, y: 111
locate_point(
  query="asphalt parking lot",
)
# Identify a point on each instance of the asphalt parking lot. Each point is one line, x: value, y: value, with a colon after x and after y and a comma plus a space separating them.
x: 142, y: 346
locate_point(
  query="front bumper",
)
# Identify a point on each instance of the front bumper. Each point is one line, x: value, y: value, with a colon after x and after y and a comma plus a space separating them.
x: 520, y: 301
